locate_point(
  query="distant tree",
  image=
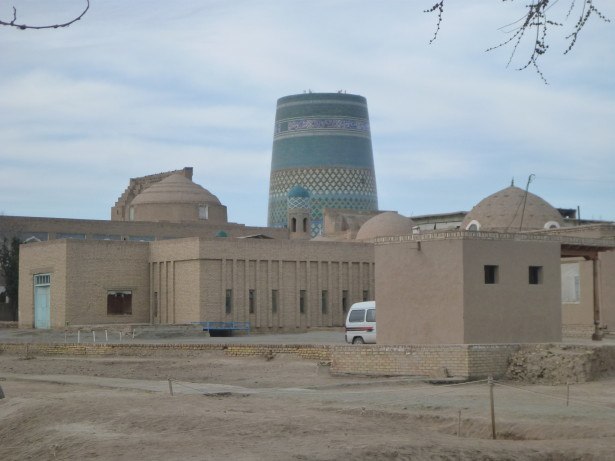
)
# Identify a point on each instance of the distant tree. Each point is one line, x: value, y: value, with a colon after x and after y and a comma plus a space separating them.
x: 535, y: 23
x: 24, y: 26
x: 9, y: 268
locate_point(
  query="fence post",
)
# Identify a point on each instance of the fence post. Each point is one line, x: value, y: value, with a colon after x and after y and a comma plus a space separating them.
x: 490, y: 382
x: 170, y: 387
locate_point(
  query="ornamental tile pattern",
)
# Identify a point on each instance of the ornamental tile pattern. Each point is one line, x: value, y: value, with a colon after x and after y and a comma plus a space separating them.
x: 306, y: 124
x: 348, y: 188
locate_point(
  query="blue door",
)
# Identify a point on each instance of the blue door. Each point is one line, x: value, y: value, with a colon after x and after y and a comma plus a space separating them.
x: 42, y: 305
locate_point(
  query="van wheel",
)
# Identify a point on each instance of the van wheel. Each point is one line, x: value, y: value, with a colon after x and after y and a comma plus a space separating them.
x: 357, y: 340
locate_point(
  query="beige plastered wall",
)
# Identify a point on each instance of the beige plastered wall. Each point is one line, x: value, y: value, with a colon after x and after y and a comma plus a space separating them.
x: 42, y: 258
x: 433, y: 292
x: 580, y: 315
x: 607, y: 290
x: 179, y: 212
x: 419, y: 289
x: 93, y: 269
x: 192, y: 276
x: 511, y: 310
x: 82, y: 273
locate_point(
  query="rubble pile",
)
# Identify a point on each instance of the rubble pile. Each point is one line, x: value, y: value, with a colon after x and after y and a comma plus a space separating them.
x: 561, y: 364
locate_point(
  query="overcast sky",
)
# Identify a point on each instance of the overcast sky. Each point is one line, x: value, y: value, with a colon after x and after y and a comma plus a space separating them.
x: 144, y: 86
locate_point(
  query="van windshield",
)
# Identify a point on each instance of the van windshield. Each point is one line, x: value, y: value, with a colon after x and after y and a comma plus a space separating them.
x: 357, y: 315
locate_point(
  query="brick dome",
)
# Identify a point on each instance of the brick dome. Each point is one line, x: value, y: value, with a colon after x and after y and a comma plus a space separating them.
x: 387, y: 224
x: 509, y: 210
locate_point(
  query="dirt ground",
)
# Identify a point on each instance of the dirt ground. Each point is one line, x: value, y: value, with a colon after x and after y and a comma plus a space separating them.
x: 120, y: 408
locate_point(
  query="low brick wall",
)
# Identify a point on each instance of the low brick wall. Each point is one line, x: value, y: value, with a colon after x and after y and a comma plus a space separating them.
x: 320, y: 353
x: 450, y: 360
x: 544, y: 363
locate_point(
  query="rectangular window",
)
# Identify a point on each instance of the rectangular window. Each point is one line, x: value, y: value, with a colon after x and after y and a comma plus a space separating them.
x: 344, y: 301
x: 324, y: 304
x: 302, y: 301
x: 491, y: 275
x: 252, y: 301
x: 571, y: 283
x: 119, y: 302
x: 274, y: 301
x: 228, y: 304
x: 535, y: 275
x: 203, y: 212
x: 365, y: 295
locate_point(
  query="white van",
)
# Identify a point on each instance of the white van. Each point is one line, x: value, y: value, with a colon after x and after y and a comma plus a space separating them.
x: 361, y: 323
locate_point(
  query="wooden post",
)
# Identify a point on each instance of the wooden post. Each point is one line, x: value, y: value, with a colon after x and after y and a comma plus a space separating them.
x: 459, y: 425
x: 567, y: 393
x: 597, y: 336
x: 490, y: 382
x: 93, y: 336
x: 170, y: 387
x: 78, y: 336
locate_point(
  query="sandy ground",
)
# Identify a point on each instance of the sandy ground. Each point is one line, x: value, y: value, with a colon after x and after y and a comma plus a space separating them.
x: 120, y: 408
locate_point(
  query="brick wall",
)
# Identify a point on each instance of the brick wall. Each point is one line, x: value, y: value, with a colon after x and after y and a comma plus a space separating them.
x: 319, y: 353
x: 458, y: 360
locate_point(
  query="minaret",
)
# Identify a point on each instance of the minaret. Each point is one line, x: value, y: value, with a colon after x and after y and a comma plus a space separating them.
x: 322, y: 142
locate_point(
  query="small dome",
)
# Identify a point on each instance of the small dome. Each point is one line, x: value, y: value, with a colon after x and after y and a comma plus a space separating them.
x: 175, y: 188
x: 298, y: 192
x: 221, y: 234
x: 387, y: 224
x: 503, y: 212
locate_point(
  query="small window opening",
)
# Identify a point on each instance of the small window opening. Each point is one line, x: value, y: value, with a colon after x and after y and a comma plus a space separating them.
x: 365, y: 295
x: 344, y: 301
x: 491, y: 275
x: 203, y: 212
x: 324, y: 304
x: 251, y: 301
x: 274, y: 301
x: 119, y: 302
x: 302, y: 298
x: 304, y: 224
x: 228, y: 304
x: 293, y: 225
x: 535, y: 275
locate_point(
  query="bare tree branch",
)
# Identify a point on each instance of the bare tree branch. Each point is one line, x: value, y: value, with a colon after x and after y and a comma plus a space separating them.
x: 535, y: 21
x: 22, y: 26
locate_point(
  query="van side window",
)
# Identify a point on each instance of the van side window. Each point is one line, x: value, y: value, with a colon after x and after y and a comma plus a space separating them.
x: 357, y: 315
x: 371, y: 315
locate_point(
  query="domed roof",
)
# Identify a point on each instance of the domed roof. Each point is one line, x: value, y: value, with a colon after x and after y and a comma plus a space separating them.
x: 175, y: 188
x: 298, y: 192
x: 387, y: 224
x: 503, y: 211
